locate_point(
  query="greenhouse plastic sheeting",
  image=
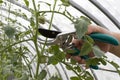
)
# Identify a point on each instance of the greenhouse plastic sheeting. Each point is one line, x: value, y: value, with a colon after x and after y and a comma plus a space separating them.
x: 102, y: 12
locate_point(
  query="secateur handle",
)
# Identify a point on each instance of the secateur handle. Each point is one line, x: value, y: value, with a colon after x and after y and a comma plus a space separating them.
x: 100, y: 37
x: 85, y: 57
x: 104, y: 38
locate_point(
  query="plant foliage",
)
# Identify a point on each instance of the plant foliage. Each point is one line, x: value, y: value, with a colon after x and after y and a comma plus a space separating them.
x: 20, y: 48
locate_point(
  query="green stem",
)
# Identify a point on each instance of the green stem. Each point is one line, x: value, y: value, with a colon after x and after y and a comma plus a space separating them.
x: 50, y: 22
x: 13, y: 45
x: 71, y: 69
x: 35, y: 38
x: 52, y: 14
x: 9, y: 13
x: 58, y: 13
x: 28, y: 65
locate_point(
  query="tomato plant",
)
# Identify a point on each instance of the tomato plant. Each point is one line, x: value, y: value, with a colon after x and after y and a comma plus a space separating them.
x: 17, y: 41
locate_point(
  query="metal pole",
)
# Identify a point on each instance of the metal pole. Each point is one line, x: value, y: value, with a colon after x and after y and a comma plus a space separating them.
x: 106, y: 12
x: 88, y: 14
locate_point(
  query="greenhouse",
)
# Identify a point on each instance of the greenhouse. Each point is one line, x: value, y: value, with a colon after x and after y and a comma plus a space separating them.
x: 59, y: 40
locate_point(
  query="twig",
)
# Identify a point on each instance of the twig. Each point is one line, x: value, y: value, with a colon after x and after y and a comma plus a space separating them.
x: 108, y: 70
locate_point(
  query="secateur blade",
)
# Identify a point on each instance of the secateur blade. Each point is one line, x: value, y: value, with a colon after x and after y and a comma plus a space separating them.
x: 51, y: 34
x: 61, y: 38
x: 48, y: 33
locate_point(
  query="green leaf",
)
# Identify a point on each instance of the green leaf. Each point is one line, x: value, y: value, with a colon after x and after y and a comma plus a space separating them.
x: 87, y: 76
x: 86, y: 19
x: 9, y: 31
x: 52, y: 60
x: 42, y: 75
x: 24, y: 77
x: 41, y: 19
x: 102, y: 61
x: 54, y: 49
x: 42, y: 59
x: 65, y: 2
x: 117, y: 67
x: 55, y: 78
x: 70, y: 51
x: 1, y: 1
x: 78, y: 68
x: 32, y: 23
x: 26, y: 2
x: 57, y: 55
x: 92, y: 61
x: 74, y: 78
x: 17, y: 36
x: 89, y: 39
x: 95, y: 61
x: 69, y: 67
x: 1, y: 23
x: 81, y: 26
x: 24, y: 15
x: 86, y: 49
x: 97, y: 52
x: 114, y: 64
x: 73, y: 62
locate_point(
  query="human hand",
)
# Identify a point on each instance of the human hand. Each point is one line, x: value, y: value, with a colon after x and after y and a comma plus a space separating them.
x: 78, y: 43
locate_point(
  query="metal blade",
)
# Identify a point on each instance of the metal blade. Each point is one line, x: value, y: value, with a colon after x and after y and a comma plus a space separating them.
x: 48, y: 33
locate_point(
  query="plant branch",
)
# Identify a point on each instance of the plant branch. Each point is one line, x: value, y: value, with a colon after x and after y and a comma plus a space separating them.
x: 71, y: 69
x: 58, y: 13
x: 14, y: 45
x: 42, y: 51
x: 35, y: 38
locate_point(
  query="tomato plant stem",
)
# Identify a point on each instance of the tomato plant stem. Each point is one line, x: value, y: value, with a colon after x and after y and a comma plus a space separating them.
x: 35, y: 38
x: 36, y: 34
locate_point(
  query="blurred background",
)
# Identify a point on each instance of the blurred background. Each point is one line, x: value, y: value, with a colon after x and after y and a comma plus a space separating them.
x: 19, y: 14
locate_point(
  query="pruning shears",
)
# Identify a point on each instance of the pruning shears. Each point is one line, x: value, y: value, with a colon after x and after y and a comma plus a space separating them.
x: 64, y: 39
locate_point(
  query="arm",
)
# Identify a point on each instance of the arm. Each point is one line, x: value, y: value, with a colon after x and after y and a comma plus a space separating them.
x: 113, y: 49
